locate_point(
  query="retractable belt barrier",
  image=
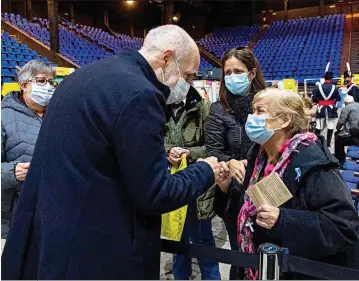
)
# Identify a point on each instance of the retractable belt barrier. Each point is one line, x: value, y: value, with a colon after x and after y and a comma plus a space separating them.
x: 271, y: 261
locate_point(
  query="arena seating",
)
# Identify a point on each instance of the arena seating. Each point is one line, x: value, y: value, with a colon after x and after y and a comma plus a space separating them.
x: 14, y: 54
x: 73, y: 47
x: 350, y: 173
x: 298, y: 48
x: 223, y: 40
x: 109, y: 41
x: 301, y: 48
x: 205, y: 65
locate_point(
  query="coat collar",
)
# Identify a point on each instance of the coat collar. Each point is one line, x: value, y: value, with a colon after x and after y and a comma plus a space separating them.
x: 136, y: 58
x: 193, y: 102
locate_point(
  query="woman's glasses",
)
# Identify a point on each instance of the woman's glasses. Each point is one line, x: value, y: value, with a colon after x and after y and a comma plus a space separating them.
x: 42, y: 81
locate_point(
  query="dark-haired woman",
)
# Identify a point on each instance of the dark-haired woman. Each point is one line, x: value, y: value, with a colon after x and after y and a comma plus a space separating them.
x: 225, y: 130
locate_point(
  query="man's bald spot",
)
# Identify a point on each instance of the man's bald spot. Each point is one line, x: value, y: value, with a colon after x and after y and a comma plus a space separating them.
x: 170, y: 37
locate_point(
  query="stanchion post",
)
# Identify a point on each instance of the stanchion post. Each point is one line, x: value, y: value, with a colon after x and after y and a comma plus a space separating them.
x: 269, y: 261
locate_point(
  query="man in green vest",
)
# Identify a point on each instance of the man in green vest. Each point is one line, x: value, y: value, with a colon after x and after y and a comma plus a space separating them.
x: 184, y: 134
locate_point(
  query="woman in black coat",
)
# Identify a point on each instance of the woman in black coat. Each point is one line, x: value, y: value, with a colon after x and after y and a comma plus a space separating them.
x: 319, y: 222
x: 224, y: 130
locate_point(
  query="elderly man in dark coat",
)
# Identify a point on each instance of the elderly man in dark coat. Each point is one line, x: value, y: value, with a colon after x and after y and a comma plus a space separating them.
x: 99, y: 181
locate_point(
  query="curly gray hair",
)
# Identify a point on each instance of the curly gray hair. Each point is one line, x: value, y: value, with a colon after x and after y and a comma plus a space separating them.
x: 34, y: 67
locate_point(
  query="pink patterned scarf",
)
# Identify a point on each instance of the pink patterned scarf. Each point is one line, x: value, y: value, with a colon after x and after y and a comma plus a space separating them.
x: 244, y: 221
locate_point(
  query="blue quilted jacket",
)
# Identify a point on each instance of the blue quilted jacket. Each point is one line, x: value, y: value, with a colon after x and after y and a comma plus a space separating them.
x: 19, y: 130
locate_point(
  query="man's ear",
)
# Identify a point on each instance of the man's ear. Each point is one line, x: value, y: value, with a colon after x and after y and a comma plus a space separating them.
x: 167, y: 55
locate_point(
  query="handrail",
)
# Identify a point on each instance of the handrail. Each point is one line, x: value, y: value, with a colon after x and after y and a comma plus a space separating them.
x: 13, y: 29
x: 112, y: 32
x: 38, y: 21
x: 209, y: 55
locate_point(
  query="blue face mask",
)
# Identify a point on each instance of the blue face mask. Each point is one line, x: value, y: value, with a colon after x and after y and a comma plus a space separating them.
x: 256, y: 128
x: 237, y: 84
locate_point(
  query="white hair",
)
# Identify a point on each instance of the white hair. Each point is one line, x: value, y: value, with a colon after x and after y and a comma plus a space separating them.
x: 349, y: 99
x: 169, y: 37
x: 34, y: 67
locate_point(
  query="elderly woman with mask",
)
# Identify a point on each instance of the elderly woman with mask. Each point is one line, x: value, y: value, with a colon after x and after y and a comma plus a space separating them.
x: 319, y: 222
x: 21, y: 118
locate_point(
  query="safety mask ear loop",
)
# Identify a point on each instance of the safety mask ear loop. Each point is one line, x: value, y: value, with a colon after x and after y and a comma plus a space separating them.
x: 272, y: 118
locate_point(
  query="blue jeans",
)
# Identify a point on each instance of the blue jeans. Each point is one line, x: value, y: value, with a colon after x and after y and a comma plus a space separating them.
x: 198, y: 232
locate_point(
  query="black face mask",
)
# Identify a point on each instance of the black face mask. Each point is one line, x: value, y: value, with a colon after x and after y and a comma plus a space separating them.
x: 346, y: 82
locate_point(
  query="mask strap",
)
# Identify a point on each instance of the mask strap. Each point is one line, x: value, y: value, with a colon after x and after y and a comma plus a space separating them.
x: 163, y: 76
x: 276, y: 118
x: 272, y: 118
x: 179, y: 72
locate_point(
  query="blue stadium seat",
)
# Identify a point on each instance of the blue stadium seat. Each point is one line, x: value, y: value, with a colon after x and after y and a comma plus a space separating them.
x: 7, y: 80
x: 353, y: 154
x: 351, y: 165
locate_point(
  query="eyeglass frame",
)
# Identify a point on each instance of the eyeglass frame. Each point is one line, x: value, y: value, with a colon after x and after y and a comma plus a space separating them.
x: 51, y: 82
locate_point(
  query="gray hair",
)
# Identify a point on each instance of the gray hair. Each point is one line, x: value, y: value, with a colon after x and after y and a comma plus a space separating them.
x: 34, y: 67
x: 169, y: 37
x: 349, y: 99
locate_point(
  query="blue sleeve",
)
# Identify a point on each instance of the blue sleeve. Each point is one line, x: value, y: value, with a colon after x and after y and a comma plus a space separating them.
x: 315, y: 95
x: 8, y: 179
x: 139, y: 146
x: 356, y: 93
x: 336, y: 95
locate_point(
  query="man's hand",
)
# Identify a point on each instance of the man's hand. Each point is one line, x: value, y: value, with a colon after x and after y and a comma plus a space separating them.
x: 213, y: 162
x: 267, y: 216
x: 175, y: 155
x: 21, y: 170
x: 220, y: 170
x: 238, y: 169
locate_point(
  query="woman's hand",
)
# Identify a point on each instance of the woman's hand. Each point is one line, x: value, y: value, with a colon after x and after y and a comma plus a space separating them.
x: 225, y: 178
x: 21, y: 170
x: 238, y: 169
x: 267, y: 216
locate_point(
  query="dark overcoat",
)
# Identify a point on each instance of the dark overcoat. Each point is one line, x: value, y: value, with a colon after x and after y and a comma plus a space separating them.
x: 98, y: 182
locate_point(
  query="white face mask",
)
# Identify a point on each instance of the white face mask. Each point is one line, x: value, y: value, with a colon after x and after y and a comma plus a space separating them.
x: 42, y: 94
x: 179, y: 91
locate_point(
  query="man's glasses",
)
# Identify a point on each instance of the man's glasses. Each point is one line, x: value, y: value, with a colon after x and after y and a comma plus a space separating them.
x: 42, y: 81
x: 235, y: 49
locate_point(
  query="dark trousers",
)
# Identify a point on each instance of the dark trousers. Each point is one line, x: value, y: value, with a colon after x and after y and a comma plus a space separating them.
x: 340, y: 142
x: 236, y: 273
x: 198, y: 232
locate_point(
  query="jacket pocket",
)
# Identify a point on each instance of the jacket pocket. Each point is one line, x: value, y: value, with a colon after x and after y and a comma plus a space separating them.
x: 191, y: 136
x: 205, y: 204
